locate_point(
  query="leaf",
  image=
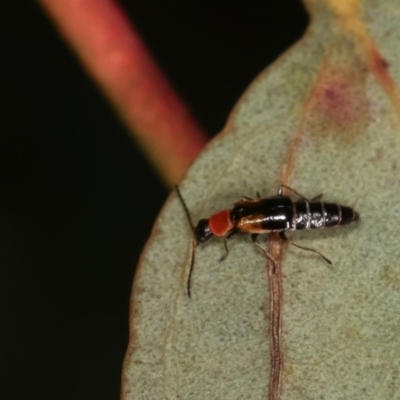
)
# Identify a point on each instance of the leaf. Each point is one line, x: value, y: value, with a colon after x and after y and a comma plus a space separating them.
x: 325, y: 118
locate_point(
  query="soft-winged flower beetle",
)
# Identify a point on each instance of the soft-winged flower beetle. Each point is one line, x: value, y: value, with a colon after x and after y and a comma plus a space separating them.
x: 278, y: 213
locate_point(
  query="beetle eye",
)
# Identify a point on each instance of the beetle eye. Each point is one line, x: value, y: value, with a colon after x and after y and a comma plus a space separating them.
x: 202, y: 231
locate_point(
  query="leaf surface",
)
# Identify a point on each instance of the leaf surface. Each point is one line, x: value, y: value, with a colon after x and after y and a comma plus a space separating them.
x: 324, y: 118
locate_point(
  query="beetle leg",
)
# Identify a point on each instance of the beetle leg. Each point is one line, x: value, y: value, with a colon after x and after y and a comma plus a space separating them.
x: 226, y: 249
x: 280, y: 191
x: 228, y: 236
x: 188, y: 283
x: 246, y: 198
x: 285, y: 239
x: 319, y: 197
x: 254, y: 239
x: 231, y: 233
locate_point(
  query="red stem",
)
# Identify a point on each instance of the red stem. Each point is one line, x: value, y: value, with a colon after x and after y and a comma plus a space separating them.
x: 114, y: 55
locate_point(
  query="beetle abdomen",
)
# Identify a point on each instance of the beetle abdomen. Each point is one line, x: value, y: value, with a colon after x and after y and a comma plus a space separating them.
x: 315, y: 215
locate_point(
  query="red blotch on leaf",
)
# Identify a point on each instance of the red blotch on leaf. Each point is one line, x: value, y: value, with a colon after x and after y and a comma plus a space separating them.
x: 381, y: 68
x: 339, y: 100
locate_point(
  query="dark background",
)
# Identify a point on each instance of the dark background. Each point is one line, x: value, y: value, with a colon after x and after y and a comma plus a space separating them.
x: 78, y: 199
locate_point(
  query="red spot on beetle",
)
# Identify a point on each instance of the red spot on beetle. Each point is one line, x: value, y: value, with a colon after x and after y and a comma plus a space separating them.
x: 220, y: 223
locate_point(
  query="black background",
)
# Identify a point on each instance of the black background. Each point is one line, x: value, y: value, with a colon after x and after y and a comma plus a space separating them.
x: 78, y: 199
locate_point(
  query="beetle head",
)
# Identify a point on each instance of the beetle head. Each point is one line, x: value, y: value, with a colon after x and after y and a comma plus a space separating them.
x: 202, y: 232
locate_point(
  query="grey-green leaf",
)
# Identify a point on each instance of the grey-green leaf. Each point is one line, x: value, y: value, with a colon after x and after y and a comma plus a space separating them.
x: 324, y: 118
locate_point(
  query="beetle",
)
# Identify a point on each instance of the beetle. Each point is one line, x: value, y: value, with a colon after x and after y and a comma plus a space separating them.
x: 257, y: 216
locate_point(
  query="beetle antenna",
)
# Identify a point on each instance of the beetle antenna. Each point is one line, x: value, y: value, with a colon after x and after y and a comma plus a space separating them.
x: 187, y: 212
x: 194, y: 242
x: 188, y: 285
